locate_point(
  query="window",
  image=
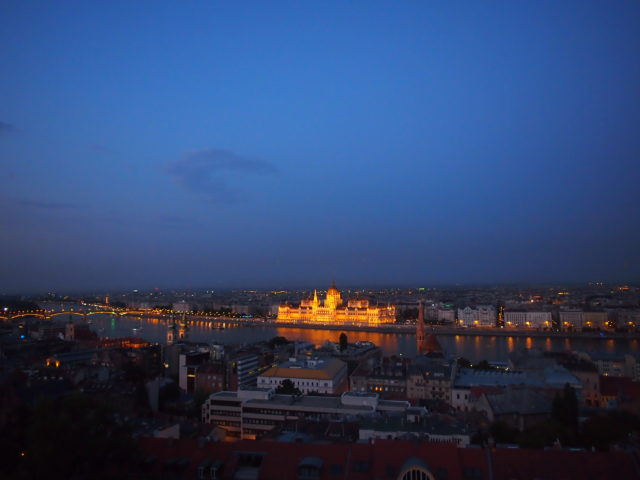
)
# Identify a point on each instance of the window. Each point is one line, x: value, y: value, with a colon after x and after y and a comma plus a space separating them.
x: 361, y: 466
x: 442, y: 474
x: 472, y: 473
x: 417, y: 473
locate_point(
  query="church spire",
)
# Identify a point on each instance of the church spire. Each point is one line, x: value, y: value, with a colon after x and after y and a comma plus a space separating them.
x: 420, y: 340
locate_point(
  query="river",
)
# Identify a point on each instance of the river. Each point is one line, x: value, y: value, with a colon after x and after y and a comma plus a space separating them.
x: 474, y: 348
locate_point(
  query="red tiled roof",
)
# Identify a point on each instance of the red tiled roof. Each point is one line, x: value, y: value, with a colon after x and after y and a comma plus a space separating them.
x: 534, y: 464
x: 385, y: 458
x: 619, y: 386
x: 431, y: 344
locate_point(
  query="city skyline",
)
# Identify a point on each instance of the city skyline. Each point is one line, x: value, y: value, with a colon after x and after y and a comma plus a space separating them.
x: 266, y: 146
x: 419, y: 289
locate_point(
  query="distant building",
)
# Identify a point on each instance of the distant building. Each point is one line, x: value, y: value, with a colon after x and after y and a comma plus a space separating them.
x: 467, y: 317
x: 181, y: 306
x: 416, y: 423
x: 618, y: 391
x: 240, y: 309
x: 387, y: 378
x: 537, y: 320
x: 519, y: 407
x: 436, y: 313
x: 597, y: 320
x: 332, y: 311
x: 571, y: 319
x: 429, y: 379
x: 629, y: 319
x: 139, y: 305
x: 189, y: 363
x: 481, y: 316
x: 446, y: 315
x: 308, y: 374
x: 610, y: 364
x: 632, y: 367
x: 71, y: 359
x: 210, y: 377
x: 487, y: 315
x: 79, y: 332
x: 431, y: 313
x: 244, y: 370
x: 172, y: 333
x: 177, y: 331
x: 536, y: 361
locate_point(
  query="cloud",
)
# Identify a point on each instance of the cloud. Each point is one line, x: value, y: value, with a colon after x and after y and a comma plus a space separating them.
x: 207, y: 172
x: 6, y: 128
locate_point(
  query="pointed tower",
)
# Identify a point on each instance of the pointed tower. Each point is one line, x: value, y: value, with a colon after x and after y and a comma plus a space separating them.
x: 183, y: 328
x: 171, y: 331
x: 432, y: 347
x: 316, y: 302
x: 420, y: 338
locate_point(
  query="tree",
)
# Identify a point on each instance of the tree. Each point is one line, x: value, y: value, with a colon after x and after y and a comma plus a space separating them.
x: 601, y: 431
x: 483, y: 365
x: 277, y: 341
x: 502, y: 432
x: 288, y: 388
x: 463, y: 363
x: 545, y: 434
x: 564, y: 409
x: 344, y: 342
x: 199, y: 397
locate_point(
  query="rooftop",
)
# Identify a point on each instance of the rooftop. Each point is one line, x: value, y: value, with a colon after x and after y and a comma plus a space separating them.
x: 321, y: 368
x: 434, y: 424
x: 468, y: 377
x: 313, y: 402
x: 525, y: 401
x: 385, y: 459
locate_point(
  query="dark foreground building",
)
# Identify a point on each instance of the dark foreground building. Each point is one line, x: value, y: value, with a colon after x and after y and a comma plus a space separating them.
x: 382, y: 460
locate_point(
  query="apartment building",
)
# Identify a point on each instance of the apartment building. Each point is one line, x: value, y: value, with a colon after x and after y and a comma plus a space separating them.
x: 308, y: 374
x: 252, y: 413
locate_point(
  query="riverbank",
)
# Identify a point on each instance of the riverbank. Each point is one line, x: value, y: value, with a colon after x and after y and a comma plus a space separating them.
x: 436, y: 329
x: 469, y: 332
x: 395, y: 340
x: 442, y: 330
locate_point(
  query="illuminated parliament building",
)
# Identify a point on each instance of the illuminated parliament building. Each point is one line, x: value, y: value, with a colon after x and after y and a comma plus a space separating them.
x: 332, y: 311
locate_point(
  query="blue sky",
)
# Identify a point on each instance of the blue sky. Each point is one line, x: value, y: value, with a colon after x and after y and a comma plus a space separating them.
x: 268, y: 144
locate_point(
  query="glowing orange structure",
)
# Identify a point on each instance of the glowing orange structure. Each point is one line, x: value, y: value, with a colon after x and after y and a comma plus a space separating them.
x: 332, y: 311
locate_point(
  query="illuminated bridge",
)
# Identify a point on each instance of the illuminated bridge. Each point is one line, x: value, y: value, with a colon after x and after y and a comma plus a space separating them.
x: 48, y: 314
x: 190, y: 316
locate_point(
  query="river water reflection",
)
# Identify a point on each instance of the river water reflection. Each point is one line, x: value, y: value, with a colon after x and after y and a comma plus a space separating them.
x: 473, y: 348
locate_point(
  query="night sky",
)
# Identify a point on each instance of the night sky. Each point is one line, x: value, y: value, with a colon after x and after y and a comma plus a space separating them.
x: 268, y: 144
